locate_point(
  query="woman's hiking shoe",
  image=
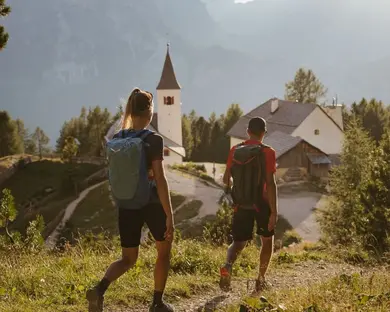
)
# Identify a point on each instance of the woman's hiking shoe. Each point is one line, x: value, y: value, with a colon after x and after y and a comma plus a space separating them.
x: 260, y: 285
x: 225, y: 277
x: 95, y: 300
x: 164, y: 307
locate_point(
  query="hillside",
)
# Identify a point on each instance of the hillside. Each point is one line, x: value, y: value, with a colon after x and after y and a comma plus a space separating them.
x: 44, y: 187
x: 94, y: 52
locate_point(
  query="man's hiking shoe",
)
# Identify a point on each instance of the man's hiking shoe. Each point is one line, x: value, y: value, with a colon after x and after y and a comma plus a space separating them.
x: 95, y: 300
x: 225, y: 277
x: 164, y: 307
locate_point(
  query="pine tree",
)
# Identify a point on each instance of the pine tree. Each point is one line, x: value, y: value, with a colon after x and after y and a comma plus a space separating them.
x: 375, y: 197
x: 23, y: 136
x: 373, y: 115
x: 188, y: 141
x: 41, y: 140
x: 305, y: 88
x: 9, y: 140
x: 4, y: 11
x: 342, y: 220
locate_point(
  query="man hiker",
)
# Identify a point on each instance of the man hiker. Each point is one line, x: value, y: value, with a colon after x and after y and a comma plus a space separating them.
x: 252, y: 166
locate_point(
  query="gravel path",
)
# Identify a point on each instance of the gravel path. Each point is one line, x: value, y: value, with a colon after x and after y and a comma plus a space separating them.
x: 304, y: 274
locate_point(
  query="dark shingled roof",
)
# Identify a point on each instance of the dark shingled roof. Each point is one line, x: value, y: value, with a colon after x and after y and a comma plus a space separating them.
x: 168, y: 79
x: 318, y: 159
x: 281, y: 142
x: 286, y: 119
x: 154, y: 121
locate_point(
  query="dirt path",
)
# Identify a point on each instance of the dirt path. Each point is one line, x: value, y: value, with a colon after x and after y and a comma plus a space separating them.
x: 52, y: 238
x: 304, y: 274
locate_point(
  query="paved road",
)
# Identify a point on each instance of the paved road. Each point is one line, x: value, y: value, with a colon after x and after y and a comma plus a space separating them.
x: 298, y: 210
x: 296, y: 207
x: 191, y: 187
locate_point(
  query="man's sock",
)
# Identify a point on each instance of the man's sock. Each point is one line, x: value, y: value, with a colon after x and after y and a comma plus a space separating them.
x: 157, y: 298
x: 103, y: 285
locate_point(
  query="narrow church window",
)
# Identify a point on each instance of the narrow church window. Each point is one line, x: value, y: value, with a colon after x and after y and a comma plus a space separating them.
x: 166, y: 152
x: 170, y: 100
x: 316, y: 131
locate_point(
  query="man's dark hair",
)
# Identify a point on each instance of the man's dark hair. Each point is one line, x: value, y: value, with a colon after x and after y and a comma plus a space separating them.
x: 257, y: 126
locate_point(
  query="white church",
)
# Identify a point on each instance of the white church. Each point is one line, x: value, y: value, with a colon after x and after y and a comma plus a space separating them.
x: 167, y: 121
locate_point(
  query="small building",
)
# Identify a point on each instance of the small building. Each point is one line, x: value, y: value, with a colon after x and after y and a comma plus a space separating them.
x: 320, y: 126
x: 295, y: 152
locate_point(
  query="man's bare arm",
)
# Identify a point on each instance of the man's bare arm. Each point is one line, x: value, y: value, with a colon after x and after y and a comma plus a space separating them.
x: 272, y: 192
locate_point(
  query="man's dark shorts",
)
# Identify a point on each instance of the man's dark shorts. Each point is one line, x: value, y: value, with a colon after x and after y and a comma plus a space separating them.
x: 244, y: 221
x: 132, y: 221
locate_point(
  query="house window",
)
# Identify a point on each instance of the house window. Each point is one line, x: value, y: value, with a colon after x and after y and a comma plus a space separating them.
x: 316, y: 131
x: 169, y: 100
x: 166, y: 152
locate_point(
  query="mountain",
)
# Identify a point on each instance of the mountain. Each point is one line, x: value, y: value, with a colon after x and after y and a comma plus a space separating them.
x: 65, y: 54
x: 342, y: 41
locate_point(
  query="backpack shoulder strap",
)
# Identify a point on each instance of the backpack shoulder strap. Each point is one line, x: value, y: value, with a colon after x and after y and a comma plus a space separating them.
x: 265, y: 145
x: 144, y: 134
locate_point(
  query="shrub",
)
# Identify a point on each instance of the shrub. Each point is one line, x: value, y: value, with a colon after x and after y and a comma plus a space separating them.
x: 291, y: 237
x: 219, y: 231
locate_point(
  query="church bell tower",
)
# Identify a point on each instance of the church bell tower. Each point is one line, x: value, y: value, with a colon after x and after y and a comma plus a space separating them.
x: 169, y: 103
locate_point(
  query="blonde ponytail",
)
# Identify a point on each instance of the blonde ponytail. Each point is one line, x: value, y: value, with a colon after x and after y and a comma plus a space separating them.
x: 127, y: 123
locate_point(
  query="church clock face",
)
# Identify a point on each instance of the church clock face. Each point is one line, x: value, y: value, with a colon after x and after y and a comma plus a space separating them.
x: 169, y: 100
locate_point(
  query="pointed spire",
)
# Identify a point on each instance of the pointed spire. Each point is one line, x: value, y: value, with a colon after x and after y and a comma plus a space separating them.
x: 168, y: 79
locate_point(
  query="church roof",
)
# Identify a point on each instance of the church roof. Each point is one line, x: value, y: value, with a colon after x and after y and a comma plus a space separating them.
x: 168, y: 79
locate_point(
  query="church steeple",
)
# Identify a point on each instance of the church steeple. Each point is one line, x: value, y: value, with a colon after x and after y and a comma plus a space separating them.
x: 168, y: 79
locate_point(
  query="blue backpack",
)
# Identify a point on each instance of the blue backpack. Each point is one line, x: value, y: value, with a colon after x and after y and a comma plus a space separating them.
x: 127, y: 169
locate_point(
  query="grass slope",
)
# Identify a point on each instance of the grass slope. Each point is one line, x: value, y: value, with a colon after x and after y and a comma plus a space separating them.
x: 96, y: 212
x: 29, y: 184
x: 48, y: 281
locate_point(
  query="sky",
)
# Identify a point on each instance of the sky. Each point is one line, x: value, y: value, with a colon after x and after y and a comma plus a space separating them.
x: 242, y: 1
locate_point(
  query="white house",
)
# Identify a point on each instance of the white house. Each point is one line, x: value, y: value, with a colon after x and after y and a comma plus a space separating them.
x: 321, y: 127
x: 167, y: 120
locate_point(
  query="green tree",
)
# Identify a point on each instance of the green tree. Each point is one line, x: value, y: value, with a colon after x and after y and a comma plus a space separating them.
x: 8, y: 212
x: 89, y: 129
x: 233, y: 114
x: 9, y: 139
x: 34, y: 240
x: 41, y: 140
x: 201, y: 134
x: 4, y: 11
x: 374, y: 116
x: 188, y: 141
x: 345, y: 217
x: 23, y: 136
x: 375, y: 198
x: 305, y: 88
x: 70, y: 149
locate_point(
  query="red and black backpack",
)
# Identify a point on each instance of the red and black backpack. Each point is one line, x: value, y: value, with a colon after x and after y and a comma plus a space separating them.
x: 248, y: 171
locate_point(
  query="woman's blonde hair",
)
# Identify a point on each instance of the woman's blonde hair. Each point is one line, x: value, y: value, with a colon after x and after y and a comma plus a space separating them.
x: 139, y: 104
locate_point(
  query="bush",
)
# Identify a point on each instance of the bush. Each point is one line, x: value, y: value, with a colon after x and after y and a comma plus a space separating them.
x: 219, y: 231
x: 291, y: 237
